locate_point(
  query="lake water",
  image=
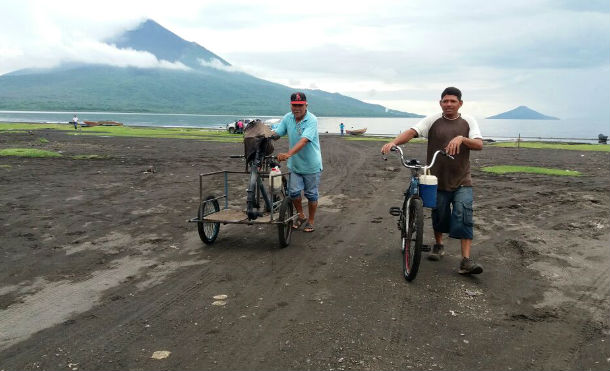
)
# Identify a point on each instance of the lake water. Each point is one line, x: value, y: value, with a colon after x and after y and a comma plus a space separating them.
x: 585, y: 130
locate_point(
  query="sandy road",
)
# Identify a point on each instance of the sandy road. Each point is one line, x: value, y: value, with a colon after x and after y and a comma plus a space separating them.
x: 100, y: 270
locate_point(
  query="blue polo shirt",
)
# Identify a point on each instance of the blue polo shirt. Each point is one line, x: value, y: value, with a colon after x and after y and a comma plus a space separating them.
x: 309, y: 159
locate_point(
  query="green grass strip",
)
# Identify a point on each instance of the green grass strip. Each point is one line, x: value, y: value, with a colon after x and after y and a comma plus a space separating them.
x: 132, y: 131
x: 507, y: 169
x: 90, y: 157
x: 379, y: 139
x: 28, y: 152
x: 16, y: 126
x: 367, y: 139
x: 546, y: 145
x: 207, y: 138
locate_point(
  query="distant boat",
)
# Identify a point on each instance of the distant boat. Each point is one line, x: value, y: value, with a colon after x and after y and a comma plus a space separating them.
x: 356, y: 132
x: 102, y: 123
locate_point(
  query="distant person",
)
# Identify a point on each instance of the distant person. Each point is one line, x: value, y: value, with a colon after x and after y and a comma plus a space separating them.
x: 341, y: 127
x: 304, y: 158
x: 240, y: 126
x: 457, y: 135
x: 75, y: 121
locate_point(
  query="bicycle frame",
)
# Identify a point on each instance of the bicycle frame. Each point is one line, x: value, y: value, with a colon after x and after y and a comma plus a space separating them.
x: 256, y: 187
x: 413, y: 189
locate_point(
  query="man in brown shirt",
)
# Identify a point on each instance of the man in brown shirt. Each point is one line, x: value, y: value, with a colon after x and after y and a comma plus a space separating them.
x: 457, y: 135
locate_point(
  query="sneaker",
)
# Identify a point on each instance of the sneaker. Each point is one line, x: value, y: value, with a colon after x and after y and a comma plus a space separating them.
x: 438, y: 251
x: 468, y: 266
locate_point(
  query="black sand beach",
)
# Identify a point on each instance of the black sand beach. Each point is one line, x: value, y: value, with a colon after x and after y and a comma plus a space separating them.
x: 100, y: 269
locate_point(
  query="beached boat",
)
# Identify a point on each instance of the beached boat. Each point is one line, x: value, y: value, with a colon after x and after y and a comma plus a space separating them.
x: 102, y: 123
x: 356, y: 132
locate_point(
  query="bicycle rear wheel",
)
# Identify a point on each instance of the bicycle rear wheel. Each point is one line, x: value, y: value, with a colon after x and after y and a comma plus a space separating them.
x: 412, y: 238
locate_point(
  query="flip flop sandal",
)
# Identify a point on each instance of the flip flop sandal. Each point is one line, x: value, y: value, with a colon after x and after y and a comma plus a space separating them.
x: 308, y: 228
x: 299, y: 222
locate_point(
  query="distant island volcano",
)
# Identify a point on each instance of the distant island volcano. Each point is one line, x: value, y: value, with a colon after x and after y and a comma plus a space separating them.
x: 523, y: 113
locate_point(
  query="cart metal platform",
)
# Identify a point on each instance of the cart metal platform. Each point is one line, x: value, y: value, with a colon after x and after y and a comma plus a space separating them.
x: 227, y: 215
x: 234, y: 216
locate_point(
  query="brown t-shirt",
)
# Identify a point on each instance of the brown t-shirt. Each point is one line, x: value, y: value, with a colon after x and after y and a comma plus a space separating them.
x: 451, y: 174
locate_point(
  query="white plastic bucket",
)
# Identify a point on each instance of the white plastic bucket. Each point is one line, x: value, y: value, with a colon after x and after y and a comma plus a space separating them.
x: 428, y: 184
x: 275, y: 180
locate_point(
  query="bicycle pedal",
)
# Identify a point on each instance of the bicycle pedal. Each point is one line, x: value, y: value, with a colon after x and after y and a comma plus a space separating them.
x: 395, y: 211
x: 425, y: 248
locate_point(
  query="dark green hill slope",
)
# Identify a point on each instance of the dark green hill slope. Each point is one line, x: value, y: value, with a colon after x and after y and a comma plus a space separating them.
x: 106, y: 88
x: 201, y: 89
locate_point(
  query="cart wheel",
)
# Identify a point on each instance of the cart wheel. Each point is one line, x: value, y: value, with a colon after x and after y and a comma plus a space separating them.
x: 208, y: 231
x: 231, y: 130
x: 285, y: 229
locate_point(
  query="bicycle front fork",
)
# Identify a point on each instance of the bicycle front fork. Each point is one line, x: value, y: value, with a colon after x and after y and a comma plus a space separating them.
x: 256, y: 187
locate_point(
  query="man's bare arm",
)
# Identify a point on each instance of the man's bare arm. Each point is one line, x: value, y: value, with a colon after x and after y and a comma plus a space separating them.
x: 402, y: 138
x: 453, y: 148
x: 297, y: 147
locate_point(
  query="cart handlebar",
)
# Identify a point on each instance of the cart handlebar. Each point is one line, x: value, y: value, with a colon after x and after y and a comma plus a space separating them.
x: 242, y: 156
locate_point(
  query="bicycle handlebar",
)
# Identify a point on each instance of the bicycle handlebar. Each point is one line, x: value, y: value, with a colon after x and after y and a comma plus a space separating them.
x: 414, y: 164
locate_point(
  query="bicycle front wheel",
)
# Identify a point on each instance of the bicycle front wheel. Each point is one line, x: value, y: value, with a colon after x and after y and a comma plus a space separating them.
x: 412, y: 238
x: 285, y: 229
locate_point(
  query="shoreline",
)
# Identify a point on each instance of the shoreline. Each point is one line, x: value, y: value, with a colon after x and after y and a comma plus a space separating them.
x: 220, y: 128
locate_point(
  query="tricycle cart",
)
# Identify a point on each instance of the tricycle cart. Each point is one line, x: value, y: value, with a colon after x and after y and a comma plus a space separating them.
x: 267, y: 196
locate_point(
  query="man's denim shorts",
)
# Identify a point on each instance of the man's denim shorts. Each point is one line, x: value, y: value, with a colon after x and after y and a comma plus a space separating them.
x: 306, y: 183
x: 453, y: 213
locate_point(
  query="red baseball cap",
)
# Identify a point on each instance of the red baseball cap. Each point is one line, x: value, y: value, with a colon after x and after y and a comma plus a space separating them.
x: 298, y: 98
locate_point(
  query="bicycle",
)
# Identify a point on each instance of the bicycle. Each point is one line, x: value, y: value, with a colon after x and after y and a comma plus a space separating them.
x: 411, y: 216
x: 278, y: 200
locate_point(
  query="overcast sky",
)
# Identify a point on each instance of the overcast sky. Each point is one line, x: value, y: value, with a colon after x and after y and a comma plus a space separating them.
x: 550, y: 55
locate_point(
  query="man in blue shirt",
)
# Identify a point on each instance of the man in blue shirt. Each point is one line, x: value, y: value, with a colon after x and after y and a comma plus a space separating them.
x: 304, y: 158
